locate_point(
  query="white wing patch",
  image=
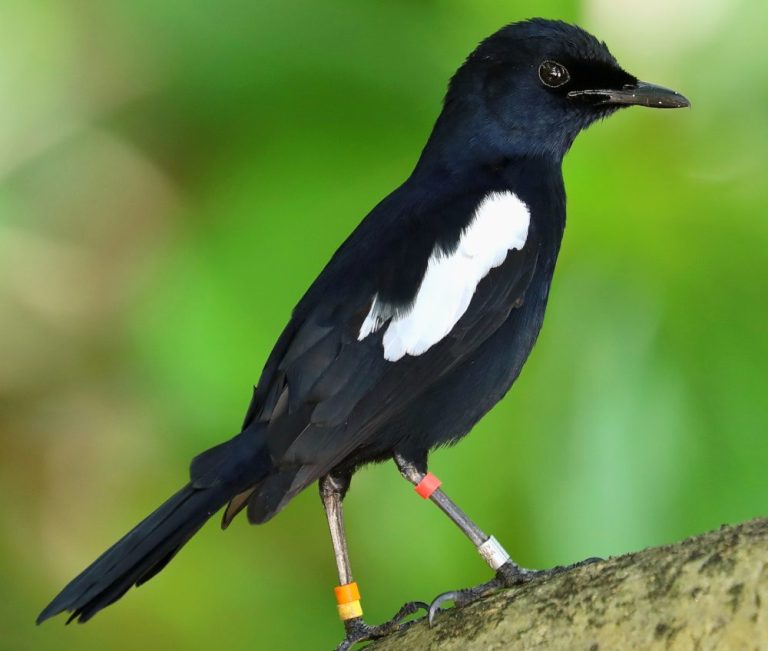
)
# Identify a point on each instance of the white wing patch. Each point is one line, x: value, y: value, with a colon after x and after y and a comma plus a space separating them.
x: 499, y: 225
x: 377, y: 315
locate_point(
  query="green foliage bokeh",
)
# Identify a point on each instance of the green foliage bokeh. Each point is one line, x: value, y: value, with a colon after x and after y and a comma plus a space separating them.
x: 172, y: 177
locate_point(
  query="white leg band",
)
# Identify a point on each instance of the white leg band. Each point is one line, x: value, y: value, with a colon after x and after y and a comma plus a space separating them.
x: 493, y: 553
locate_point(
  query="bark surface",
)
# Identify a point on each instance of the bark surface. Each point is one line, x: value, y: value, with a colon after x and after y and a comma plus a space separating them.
x: 706, y: 592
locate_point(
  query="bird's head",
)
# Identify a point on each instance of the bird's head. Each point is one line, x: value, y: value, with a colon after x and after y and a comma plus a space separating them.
x: 534, y: 85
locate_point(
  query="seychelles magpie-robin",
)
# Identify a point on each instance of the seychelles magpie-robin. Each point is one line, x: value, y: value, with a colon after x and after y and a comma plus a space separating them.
x: 417, y: 326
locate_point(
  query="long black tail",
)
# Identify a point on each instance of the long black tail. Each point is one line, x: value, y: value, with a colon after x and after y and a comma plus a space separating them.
x: 217, y: 476
x: 138, y: 555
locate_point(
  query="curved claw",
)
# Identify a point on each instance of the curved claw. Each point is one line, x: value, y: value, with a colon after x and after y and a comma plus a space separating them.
x: 359, y: 631
x: 410, y: 608
x: 508, y: 575
x: 453, y: 596
x: 560, y: 569
x: 589, y: 561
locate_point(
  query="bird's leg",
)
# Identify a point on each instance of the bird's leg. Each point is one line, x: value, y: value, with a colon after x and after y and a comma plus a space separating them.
x: 332, y: 491
x: 508, y: 573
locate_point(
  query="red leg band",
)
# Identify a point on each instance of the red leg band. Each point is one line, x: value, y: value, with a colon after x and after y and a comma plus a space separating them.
x: 428, y: 485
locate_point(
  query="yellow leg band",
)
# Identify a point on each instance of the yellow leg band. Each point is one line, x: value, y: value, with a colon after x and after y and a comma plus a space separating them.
x: 350, y: 610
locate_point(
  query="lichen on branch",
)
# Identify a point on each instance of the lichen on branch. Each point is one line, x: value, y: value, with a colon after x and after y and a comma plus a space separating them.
x: 705, y: 593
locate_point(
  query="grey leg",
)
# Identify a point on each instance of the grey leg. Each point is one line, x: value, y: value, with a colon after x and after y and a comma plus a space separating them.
x: 508, y: 573
x: 332, y: 491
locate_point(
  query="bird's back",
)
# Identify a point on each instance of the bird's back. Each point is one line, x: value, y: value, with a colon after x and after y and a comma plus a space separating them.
x: 346, y: 385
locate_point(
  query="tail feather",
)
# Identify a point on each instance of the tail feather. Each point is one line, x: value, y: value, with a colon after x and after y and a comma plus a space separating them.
x: 217, y: 476
x: 138, y: 555
x: 233, y: 462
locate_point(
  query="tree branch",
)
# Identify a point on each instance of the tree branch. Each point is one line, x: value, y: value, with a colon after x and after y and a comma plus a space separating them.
x: 702, y: 593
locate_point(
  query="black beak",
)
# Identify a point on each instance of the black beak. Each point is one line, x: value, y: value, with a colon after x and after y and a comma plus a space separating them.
x: 639, y: 94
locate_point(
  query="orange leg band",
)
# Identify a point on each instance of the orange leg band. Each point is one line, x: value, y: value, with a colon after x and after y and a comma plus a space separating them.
x: 348, y: 600
x: 428, y: 485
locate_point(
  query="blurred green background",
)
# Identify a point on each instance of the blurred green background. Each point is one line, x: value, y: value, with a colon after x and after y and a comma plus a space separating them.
x: 172, y: 177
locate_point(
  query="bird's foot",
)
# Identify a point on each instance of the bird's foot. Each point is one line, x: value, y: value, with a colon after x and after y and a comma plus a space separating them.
x: 359, y: 631
x: 509, y: 575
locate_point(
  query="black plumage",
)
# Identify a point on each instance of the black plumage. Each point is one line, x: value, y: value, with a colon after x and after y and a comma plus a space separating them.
x: 328, y: 399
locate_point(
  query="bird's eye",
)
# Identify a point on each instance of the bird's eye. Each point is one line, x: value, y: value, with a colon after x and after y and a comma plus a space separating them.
x: 553, y: 74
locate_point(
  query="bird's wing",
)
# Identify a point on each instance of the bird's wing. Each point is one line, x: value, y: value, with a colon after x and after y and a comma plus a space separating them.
x: 372, y: 334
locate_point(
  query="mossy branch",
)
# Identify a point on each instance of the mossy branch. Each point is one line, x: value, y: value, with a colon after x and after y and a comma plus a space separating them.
x: 707, y: 592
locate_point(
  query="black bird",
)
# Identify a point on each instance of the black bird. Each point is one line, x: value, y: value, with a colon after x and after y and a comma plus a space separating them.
x: 418, y: 325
